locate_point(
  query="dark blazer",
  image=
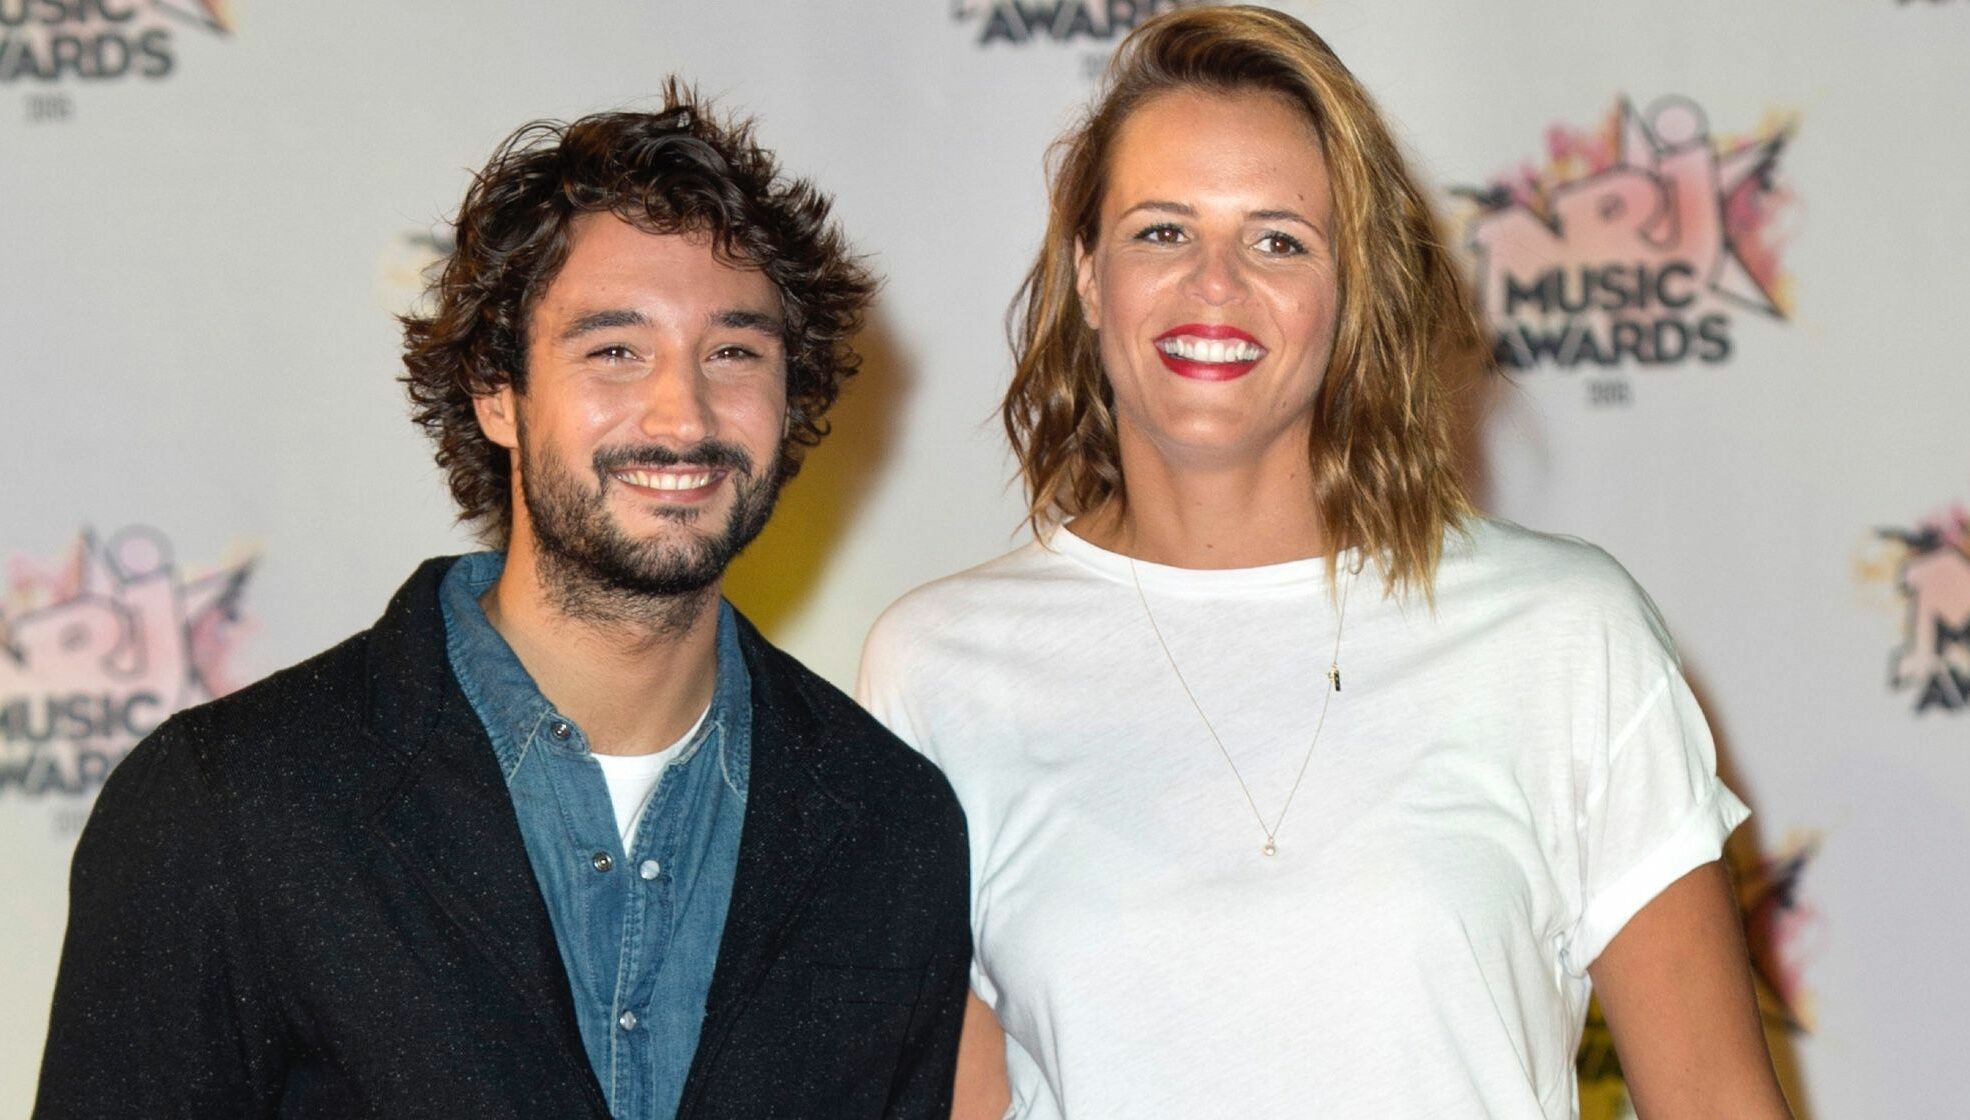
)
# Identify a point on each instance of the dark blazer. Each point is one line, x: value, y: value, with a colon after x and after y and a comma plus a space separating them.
x: 311, y: 899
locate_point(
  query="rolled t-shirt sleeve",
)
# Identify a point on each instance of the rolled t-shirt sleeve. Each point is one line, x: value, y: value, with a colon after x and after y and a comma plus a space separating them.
x: 1651, y: 810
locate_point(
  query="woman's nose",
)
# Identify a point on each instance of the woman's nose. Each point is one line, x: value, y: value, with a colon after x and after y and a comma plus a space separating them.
x: 1218, y: 273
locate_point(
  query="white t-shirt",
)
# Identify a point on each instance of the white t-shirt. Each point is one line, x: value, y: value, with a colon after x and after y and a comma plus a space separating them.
x: 1501, y: 783
x: 632, y: 778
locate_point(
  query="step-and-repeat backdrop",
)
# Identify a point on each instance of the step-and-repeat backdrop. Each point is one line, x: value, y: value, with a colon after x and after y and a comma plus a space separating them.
x: 1724, y: 247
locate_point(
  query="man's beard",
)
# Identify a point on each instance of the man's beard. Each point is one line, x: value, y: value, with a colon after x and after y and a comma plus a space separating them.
x: 593, y: 570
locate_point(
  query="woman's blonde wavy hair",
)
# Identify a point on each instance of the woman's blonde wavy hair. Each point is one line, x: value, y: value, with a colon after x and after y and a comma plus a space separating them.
x: 1385, y: 443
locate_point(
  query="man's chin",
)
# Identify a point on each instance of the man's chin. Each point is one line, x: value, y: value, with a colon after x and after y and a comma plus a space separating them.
x: 641, y: 518
x: 666, y: 572
x: 679, y: 532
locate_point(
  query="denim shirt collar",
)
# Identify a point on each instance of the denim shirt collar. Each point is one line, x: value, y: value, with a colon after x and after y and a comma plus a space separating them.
x: 517, y: 716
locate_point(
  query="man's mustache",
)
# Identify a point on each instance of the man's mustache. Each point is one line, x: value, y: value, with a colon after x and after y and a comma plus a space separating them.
x: 711, y: 454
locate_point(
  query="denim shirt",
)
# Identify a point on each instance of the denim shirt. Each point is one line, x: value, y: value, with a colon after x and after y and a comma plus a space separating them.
x: 638, y: 930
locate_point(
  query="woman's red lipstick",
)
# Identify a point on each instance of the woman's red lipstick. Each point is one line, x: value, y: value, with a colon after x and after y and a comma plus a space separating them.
x: 1196, y: 366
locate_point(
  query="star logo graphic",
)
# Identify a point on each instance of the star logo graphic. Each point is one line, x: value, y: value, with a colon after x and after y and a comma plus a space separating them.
x: 213, y: 15
x: 1933, y: 575
x: 1783, y: 929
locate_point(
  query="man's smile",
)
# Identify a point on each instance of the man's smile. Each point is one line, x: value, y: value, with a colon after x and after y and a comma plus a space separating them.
x: 678, y: 481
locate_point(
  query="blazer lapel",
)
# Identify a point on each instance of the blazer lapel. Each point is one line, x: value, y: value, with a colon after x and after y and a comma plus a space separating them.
x: 450, y: 822
x: 451, y: 825
x: 792, y: 823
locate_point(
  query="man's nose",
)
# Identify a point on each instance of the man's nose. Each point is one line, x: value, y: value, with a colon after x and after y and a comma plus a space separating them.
x: 677, y: 406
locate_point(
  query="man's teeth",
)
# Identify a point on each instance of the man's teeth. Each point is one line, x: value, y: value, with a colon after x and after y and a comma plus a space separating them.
x: 665, y: 480
x: 1211, y: 349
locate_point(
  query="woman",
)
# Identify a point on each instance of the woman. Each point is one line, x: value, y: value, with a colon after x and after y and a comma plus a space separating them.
x: 1296, y: 788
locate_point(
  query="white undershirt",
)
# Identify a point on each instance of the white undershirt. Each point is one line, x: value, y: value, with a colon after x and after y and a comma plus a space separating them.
x: 1507, y: 776
x: 633, y: 777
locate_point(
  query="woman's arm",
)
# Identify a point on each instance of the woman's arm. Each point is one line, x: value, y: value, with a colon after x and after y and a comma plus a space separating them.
x: 1675, y: 984
x: 982, y: 1091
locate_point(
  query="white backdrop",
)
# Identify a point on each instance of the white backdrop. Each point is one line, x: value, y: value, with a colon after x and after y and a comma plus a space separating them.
x: 209, y: 211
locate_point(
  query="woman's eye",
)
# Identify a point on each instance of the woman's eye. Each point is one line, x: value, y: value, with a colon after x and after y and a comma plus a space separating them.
x: 1280, y: 244
x: 1162, y: 233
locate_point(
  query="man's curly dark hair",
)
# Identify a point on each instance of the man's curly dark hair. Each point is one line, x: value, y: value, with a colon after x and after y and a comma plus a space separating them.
x: 678, y: 170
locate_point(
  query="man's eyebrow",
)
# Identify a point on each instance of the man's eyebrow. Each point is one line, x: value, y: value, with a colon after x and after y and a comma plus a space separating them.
x: 747, y: 319
x: 608, y: 319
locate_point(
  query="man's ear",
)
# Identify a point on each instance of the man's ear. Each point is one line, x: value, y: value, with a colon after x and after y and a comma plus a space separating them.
x: 1086, y: 286
x: 499, y: 416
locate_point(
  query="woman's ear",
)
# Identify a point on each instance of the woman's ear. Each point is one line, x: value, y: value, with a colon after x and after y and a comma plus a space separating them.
x: 1087, y: 286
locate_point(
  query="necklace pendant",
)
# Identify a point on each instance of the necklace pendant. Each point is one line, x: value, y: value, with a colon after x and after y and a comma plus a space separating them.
x: 1270, y: 848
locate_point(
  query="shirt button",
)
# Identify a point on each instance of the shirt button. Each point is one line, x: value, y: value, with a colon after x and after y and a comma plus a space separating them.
x: 650, y: 869
x: 627, y: 1021
x: 560, y: 729
x: 601, y: 861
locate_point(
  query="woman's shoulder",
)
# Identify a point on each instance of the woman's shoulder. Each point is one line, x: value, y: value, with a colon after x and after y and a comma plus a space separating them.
x: 1557, y: 576
x: 1494, y: 543
x: 960, y: 593
x: 993, y: 595
x: 958, y: 644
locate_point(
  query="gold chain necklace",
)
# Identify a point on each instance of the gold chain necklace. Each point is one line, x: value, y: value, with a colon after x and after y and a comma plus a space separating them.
x: 1333, y: 675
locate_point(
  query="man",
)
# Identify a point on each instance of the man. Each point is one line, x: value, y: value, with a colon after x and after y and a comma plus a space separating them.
x: 562, y: 835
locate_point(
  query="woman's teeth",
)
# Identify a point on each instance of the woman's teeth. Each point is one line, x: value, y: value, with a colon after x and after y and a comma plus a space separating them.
x: 1211, y: 349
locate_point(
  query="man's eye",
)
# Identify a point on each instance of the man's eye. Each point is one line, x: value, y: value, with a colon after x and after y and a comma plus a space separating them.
x: 734, y: 353
x: 1162, y: 233
x: 1280, y: 244
x: 613, y: 354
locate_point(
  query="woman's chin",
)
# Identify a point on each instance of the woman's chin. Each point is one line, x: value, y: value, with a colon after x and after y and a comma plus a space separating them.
x: 1217, y: 456
x: 1219, y: 443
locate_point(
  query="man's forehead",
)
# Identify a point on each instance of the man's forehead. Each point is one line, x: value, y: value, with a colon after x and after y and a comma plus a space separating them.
x: 612, y: 263
x: 609, y: 231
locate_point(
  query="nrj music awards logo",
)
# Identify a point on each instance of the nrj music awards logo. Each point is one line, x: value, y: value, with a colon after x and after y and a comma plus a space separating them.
x: 1932, y: 573
x: 100, y: 40
x: 1021, y: 22
x: 1640, y: 242
x: 98, y: 648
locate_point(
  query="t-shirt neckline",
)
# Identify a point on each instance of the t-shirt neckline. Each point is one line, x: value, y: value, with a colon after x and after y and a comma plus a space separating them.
x: 1290, y: 575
